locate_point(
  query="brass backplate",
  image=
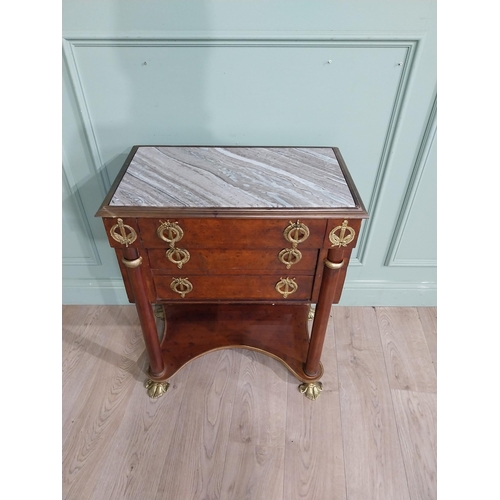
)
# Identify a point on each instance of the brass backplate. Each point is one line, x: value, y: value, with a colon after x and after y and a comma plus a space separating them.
x: 174, y: 232
x: 123, y: 237
x: 182, y: 286
x: 286, y: 286
x: 296, y: 232
x: 344, y: 237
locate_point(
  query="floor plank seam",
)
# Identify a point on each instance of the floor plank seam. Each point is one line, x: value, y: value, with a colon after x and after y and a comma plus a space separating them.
x: 425, y: 338
x: 229, y: 427
x: 400, y: 444
x: 285, y: 444
x: 340, y: 402
x: 392, y: 405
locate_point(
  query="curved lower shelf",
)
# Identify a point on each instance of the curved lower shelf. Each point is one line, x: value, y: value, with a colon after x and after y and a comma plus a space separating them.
x: 280, y: 331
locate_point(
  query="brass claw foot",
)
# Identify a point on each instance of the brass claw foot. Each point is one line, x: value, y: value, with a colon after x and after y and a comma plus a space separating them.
x: 156, y: 389
x: 311, y: 390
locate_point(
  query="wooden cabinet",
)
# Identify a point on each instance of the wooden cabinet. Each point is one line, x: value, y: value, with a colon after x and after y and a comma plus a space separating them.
x: 236, y: 244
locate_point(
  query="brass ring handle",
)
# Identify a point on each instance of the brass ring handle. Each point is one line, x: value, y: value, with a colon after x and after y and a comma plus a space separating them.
x: 178, y: 256
x: 290, y: 256
x: 122, y: 237
x: 181, y: 286
x: 173, y: 230
x: 296, y: 233
x: 286, y: 286
x: 333, y: 265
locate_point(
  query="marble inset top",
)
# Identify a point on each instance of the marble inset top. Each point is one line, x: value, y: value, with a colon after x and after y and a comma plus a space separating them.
x: 246, y: 177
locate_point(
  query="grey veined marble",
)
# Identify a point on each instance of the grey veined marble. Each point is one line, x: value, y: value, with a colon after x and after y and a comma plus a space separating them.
x: 233, y: 177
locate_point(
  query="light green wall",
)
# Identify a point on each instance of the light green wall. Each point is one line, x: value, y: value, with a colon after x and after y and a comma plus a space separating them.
x: 258, y: 73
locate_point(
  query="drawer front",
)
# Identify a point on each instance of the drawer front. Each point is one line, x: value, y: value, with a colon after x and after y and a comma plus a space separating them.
x: 231, y: 287
x: 231, y: 233
x: 213, y: 261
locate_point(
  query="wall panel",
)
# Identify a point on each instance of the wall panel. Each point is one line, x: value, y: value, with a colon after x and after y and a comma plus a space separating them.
x: 365, y: 92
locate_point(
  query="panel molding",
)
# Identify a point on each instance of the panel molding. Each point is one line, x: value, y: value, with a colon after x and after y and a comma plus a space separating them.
x: 418, y: 169
x: 409, y: 41
x: 390, y: 138
x: 94, y: 258
x: 87, y: 126
x: 216, y: 36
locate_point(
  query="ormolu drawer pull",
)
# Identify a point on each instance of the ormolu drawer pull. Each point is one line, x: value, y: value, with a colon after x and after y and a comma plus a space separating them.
x: 286, y: 286
x: 123, y: 237
x: 178, y: 256
x: 343, y: 239
x: 181, y: 286
x: 296, y: 233
x: 333, y: 265
x: 289, y: 256
x: 173, y: 230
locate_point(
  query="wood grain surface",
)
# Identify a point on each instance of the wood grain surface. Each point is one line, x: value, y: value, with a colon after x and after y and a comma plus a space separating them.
x: 255, y: 453
x: 416, y: 418
x: 233, y: 424
x: 373, y: 459
x: 408, y: 359
x: 428, y: 318
x: 314, y: 456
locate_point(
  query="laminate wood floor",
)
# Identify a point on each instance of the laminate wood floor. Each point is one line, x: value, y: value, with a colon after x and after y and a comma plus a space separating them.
x: 233, y: 425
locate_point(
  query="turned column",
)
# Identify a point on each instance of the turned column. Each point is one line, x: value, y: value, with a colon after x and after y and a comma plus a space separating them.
x: 336, y: 260
x: 132, y: 261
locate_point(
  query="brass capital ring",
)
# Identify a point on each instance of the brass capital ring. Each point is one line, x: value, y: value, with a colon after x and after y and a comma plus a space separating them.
x: 333, y: 265
x: 132, y: 263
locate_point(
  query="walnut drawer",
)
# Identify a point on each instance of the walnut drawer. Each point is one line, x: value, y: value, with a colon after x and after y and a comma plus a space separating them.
x: 231, y: 287
x: 214, y: 261
x: 231, y: 233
